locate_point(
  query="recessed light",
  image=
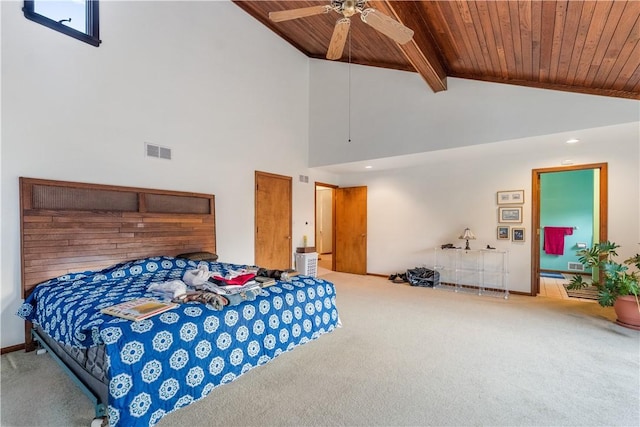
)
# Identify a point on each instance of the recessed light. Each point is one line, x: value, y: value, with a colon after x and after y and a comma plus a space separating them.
x: 573, y: 141
x: 368, y: 167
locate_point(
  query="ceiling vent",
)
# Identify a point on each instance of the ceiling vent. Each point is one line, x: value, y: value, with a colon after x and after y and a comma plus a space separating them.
x: 157, y: 151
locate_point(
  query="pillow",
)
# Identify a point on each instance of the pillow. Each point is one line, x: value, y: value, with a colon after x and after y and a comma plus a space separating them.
x: 199, y: 256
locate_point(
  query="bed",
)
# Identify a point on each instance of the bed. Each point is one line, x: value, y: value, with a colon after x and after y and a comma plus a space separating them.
x: 137, y: 372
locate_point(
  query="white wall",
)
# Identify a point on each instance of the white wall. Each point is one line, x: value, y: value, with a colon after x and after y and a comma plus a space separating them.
x: 413, y: 210
x: 395, y: 113
x: 204, y: 78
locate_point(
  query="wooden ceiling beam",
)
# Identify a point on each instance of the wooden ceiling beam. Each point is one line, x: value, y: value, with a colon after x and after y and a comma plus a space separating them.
x: 421, y: 50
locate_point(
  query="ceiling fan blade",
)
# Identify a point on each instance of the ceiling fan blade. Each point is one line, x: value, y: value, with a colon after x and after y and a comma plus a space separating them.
x: 387, y: 26
x: 338, y: 38
x: 286, y: 15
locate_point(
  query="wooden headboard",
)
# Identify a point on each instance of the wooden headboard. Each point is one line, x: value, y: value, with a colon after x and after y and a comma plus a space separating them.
x: 69, y: 226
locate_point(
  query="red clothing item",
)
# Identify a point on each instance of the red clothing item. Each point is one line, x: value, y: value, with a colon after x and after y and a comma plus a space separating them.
x: 236, y: 280
x: 241, y: 279
x: 554, y: 239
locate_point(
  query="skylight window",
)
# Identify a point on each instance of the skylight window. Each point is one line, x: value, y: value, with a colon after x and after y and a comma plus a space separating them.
x: 75, y: 18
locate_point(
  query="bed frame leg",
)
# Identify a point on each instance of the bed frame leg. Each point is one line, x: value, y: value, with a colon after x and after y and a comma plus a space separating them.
x: 29, y: 342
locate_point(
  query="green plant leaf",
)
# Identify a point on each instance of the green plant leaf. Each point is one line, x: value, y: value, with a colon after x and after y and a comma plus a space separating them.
x: 606, y: 298
x: 617, y: 280
x: 577, y: 283
x: 634, y: 260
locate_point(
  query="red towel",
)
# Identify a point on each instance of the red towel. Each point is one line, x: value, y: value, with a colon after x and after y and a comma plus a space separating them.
x: 554, y: 239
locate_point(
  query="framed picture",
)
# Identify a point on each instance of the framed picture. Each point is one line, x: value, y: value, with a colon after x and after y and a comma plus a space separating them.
x: 510, y: 214
x: 517, y: 234
x: 511, y: 197
x: 503, y: 232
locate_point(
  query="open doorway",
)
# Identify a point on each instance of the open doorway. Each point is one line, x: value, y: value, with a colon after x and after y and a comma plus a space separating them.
x: 581, y: 217
x: 325, y: 231
x: 341, y: 228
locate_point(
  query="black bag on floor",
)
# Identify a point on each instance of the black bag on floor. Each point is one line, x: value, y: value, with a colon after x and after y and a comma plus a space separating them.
x: 421, y: 276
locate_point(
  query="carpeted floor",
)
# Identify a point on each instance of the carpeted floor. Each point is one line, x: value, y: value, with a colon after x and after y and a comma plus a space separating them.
x: 405, y: 356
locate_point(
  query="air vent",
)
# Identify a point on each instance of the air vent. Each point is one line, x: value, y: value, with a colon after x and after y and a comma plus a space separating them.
x: 157, y: 151
x: 575, y: 266
x: 304, y: 178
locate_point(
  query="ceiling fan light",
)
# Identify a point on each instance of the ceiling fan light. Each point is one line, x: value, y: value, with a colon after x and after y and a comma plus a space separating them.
x: 349, y: 8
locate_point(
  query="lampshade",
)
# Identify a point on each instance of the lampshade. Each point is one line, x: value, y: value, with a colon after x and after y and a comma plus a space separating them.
x: 467, y: 235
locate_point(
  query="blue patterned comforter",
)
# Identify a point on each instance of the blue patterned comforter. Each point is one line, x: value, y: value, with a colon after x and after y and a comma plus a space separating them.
x: 170, y: 360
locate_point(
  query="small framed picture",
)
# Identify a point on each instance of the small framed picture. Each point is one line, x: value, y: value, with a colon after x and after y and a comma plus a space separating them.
x: 503, y: 232
x: 517, y: 234
x: 510, y: 214
x: 511, y: 197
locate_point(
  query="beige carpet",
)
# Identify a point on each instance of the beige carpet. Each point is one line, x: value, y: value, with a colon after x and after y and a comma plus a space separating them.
x: 404, y: 357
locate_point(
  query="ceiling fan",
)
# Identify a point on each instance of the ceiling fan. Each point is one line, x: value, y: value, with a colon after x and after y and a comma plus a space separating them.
x: 347, y: 8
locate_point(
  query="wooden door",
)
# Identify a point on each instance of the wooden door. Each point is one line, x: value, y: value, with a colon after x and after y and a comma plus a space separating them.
x: 273, y: 221
x: 350, y: 245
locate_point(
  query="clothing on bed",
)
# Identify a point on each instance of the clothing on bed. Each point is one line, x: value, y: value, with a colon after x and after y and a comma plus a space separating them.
x: 168, y: 290
x: 165, y: 362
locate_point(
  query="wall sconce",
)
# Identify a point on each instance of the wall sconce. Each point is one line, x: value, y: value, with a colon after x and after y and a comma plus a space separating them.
x: 467, y: 235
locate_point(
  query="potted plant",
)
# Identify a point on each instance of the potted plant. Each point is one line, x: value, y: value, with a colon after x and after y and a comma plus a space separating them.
x: 617, y: 285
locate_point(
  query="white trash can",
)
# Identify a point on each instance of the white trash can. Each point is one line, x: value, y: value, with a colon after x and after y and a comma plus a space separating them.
x: 307, y: 263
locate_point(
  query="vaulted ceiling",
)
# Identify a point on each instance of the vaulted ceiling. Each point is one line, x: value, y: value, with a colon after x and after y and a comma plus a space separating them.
x: 589, y: 47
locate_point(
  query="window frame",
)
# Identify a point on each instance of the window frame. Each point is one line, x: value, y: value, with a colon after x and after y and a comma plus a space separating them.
x: 92, y: 36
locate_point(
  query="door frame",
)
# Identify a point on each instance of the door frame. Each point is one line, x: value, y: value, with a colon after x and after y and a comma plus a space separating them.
x: 535, y: 212
x: 333, y: 217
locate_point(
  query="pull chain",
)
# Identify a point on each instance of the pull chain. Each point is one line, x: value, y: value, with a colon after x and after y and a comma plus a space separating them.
x: 349, y: 94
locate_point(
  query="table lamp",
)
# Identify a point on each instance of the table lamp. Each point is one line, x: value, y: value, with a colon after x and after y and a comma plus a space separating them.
x: 467, y: 235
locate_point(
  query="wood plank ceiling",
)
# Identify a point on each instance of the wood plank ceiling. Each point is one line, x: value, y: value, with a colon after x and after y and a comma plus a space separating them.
x: 590, y: 47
